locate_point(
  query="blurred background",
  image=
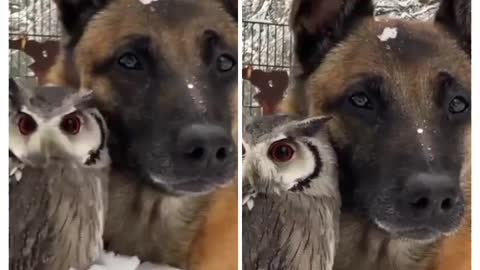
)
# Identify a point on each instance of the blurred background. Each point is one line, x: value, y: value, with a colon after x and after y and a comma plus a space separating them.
x: 267, y: 57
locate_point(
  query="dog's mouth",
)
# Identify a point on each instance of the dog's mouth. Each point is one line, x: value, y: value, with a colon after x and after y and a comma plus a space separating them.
x: 195, y: 185
x: 423, y: 234
x: 422, y: 229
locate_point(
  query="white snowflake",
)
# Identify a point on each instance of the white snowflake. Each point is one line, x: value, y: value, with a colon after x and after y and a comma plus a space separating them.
x: 388, y: 33
x: 147, y: 2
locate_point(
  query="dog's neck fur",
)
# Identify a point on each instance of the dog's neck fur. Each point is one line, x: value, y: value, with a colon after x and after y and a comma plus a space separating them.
x: 150, y: 224
x: 363, y: 246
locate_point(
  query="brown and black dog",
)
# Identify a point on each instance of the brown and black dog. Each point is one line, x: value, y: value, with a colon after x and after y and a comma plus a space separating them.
x: 399, y: 94
x: 164, y: 73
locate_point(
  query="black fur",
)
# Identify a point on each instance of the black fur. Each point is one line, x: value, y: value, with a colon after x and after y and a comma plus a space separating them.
x: 231, y: 6
x: 315, y: 40
x: 383, y: 153
x: 75, y: 15
x: 161, y: 95
x: 455, y: 16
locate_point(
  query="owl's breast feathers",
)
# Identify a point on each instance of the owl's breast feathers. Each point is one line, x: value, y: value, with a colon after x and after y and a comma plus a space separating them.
x: 291, y: 232
x: 57, y: 217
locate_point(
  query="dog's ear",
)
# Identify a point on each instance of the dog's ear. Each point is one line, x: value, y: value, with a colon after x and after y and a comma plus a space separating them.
x: 455, y: 16
x: 318, y: 25
x: 231, y: 6
x: 75, y: 14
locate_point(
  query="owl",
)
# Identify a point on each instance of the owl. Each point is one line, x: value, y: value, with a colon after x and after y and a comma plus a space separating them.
x: 291, y: 199
x: 58, y: 184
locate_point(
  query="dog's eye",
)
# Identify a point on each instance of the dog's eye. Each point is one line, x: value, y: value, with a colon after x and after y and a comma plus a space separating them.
x: 361, y: 100
x: 130, y: 61
x: 458, y: 105
x: 281, y: 151
x: 225, y: 63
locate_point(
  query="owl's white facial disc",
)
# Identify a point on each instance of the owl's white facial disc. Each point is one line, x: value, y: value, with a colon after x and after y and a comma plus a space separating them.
x: 75, y: 136
x: 294, y: 157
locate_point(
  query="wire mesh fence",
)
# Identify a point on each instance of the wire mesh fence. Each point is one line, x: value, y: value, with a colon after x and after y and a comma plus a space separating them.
x: 34, y: 31
x: 267, y: 60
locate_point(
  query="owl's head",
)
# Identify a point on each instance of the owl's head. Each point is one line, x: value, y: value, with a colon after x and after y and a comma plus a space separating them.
x: 284, y: 153
x: 56, y: 124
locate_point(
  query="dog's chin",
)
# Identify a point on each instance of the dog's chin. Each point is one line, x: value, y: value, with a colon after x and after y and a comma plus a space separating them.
x: 419, y: 234
x: 188, y: 186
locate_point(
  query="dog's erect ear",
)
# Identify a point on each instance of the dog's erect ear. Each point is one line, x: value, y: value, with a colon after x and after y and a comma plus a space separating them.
x: 455, y: 16
x: 75, y: 14
x: 231, y: 6
x: 318, y: 25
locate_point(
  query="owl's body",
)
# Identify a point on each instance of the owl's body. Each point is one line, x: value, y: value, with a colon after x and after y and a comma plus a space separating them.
x: 56, y: 218
x: 58, y: 203
x: 291, y: 221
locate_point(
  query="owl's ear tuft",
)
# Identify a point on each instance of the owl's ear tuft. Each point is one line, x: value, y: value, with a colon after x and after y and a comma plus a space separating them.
x: 16, y: 95
x: 310, y: 126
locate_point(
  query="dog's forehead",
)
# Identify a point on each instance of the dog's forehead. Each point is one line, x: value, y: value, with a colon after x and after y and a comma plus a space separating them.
x: 166, y: 11
x: 164, y: 16
x: 406, y: 55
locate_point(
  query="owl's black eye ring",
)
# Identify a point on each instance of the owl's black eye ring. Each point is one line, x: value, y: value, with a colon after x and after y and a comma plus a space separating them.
x: 26, y: 124
x: 361, y: 100
x: 71, y: 124
x: 130, y: 61
x: 281, y: 151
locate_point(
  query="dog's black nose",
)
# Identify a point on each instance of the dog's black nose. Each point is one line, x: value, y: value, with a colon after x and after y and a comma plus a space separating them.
x: 206, y: 146
x: 431, y: 196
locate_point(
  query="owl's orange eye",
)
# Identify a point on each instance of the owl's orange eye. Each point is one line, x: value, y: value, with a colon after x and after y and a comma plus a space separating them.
x: 26, y: 124
x: 71, y: 124
x: 281, y: 151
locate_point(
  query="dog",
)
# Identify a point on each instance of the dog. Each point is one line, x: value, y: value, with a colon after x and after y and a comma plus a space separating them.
x: 164, y: 74
x: 399, y: 94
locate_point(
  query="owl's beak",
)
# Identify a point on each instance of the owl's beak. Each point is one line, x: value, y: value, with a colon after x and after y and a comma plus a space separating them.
x: 51, y: 148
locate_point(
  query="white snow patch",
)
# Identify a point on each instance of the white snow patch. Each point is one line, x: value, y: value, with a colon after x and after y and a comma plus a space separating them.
x: 150, y: 266
x: 190, y: 86
x: 420, y: 130
x: 388, y: 33
x: 147, y: 2
x: 110, y: 261
x: 250, y: 204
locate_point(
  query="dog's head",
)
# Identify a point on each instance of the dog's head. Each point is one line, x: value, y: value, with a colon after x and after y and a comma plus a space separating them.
x: 400, y: 96
x: 165, y: 74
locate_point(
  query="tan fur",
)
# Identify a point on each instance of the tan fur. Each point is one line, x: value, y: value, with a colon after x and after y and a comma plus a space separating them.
x: 143, y: 221
x: 216, y: 245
